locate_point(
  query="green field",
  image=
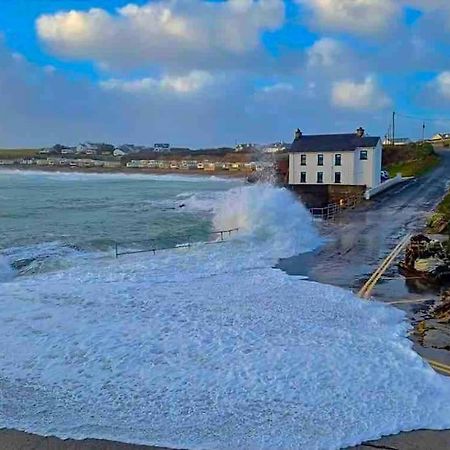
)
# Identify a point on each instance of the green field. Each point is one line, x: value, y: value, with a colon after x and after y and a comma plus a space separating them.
x: 18, y: 153
x: 411, y: 161
x: 414, y: 168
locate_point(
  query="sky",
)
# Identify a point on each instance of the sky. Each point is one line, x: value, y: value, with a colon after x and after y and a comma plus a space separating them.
x: 210, y: 73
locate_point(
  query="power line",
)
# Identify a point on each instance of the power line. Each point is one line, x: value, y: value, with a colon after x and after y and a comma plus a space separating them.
x: 424, y: 119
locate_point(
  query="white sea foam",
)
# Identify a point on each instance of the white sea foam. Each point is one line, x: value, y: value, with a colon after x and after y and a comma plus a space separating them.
x: 78, y: 176
x: 6, y: 271
x: 211, y: 348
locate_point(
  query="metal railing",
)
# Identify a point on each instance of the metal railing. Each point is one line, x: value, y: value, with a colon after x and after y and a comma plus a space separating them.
x: 179, y: 241
x: 330, y: 211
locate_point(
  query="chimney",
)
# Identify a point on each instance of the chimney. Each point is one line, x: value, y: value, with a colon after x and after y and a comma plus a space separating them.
x: 360, y: 132
x: 298, y: 134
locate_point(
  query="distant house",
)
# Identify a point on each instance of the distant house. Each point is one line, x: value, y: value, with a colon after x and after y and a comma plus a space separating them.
x: 397, y: 141
x: 440, y: 137
x: 87, y: 148
x: 161, y: 148
x: 352, y: 159
x: 118, y: 152
x: 245, y: 148
x: 131, y: 148
x: 278, y: 147
x: 55, y: 150
x: 68, y: 150
x: 111, y: 164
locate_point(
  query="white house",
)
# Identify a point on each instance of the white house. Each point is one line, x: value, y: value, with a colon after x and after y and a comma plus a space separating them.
x: 118, y: 152
x: 161, y: 148
x: 335, y: 159
x: 87, y: 148
x: 397, y: 141
x: 440, y: 137
x: 278, y: 147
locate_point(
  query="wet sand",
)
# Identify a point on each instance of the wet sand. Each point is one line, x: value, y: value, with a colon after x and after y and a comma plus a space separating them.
x: 18, y: 440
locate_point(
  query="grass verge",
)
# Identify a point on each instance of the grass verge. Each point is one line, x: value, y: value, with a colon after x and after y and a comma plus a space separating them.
x: 19, y: 153
x: 414, y: 168
x: 412, y: 160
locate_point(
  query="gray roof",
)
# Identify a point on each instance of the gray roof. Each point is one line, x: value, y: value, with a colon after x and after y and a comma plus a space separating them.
x: 332, y: 143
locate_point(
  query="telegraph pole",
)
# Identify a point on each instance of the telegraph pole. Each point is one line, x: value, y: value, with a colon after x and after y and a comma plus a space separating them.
x: 393, y: 128
x: 423, y: 132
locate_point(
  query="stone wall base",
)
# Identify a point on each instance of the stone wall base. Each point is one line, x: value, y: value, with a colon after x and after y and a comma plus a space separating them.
x: 321, y: 195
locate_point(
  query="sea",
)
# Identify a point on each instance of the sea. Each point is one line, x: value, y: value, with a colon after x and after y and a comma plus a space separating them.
x: 200, y: 343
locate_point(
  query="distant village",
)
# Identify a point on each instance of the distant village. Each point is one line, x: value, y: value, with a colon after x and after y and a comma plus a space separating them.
x: 161, y: 156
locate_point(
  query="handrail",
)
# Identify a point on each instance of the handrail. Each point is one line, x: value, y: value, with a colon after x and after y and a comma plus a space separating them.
x: 187, y: 244
x: 333, y: 209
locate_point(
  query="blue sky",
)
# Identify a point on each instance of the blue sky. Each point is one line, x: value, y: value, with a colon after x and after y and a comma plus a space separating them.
x: 211, y: 73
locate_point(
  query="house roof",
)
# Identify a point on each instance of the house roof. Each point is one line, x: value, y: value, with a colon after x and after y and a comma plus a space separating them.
x: 332, y: 143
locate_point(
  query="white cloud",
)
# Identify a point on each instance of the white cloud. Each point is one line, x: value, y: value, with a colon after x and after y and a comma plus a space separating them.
x: 427, y: 5
x: 184, y: 33
x: 366, y: 17
x: 277, y: 88
x: 325, y: 52
x: 442, y: 83
x: 187, y: 84
x: 359, y: 96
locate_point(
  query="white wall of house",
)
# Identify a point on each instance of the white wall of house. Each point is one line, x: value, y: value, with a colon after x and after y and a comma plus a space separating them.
x: 353, y: 169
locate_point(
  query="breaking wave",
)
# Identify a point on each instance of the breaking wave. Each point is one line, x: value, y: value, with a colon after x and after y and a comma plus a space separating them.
x: 271, y: 216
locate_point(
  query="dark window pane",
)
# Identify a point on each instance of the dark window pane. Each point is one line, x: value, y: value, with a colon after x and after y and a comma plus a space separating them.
x: 320, y: 160
x: 303, y: 160
x: 320, y: 177
x: 363, y: 155
x: 337, y: 177
x: 337, y: 160
x: 303, y: 177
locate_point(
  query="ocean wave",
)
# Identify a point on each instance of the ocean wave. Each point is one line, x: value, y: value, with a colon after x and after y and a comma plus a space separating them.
x: 77, y: 176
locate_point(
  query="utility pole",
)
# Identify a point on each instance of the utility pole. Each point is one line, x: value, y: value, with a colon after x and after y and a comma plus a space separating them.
x: 423, y: 132
x: 393, y: 128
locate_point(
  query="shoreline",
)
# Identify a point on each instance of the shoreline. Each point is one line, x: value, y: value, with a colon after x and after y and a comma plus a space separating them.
x: 129, y: 171
x: 11, y: 439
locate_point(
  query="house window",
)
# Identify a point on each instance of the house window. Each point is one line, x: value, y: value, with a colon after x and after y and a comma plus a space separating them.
x: 363, y: 155
x: 320, y: 177
x: 320, y: 160
x: 338, y: 160
x: 337, y: 177
x: 302, y: 177
x: 303, y: 160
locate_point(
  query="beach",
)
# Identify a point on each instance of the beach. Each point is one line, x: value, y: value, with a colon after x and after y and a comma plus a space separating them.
x: 17, y: 440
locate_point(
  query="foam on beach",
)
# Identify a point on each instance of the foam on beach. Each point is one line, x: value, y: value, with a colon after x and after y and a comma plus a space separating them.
x: 6, y: 271
x: 211, y: 348
x: 107, y: 176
